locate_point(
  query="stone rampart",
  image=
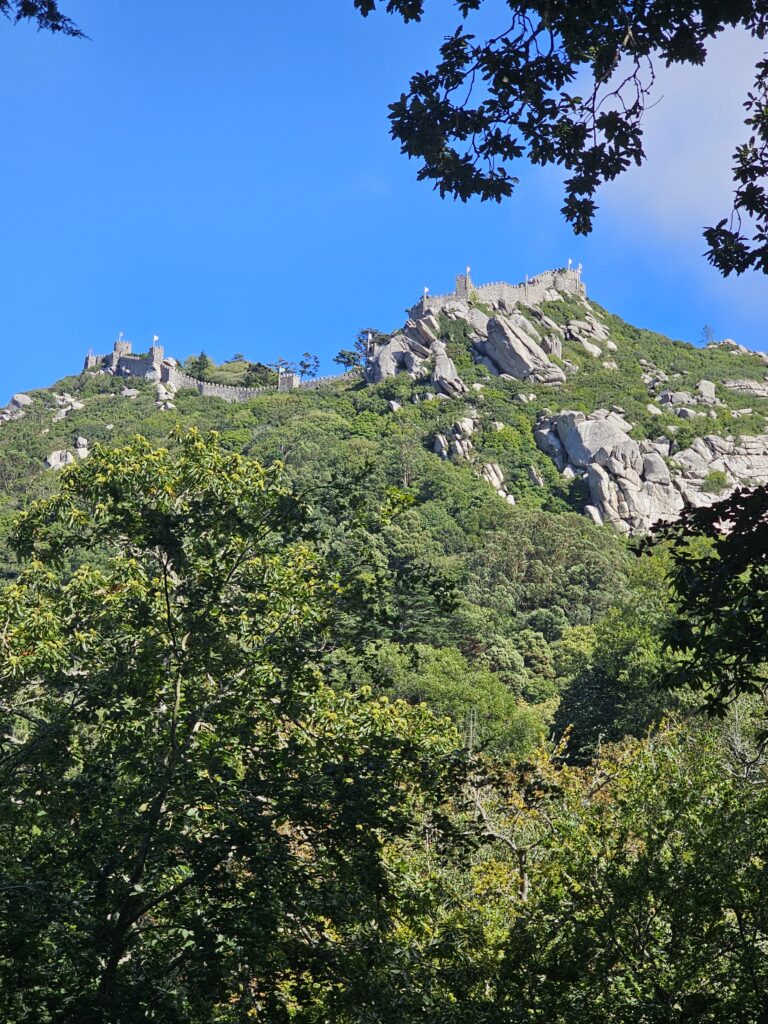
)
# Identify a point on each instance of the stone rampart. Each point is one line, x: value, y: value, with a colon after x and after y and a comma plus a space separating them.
x: 331, y: 378
x: 135, y: 366
x: 122, y: 361
x: 531, y: 292
x: 179, y: 380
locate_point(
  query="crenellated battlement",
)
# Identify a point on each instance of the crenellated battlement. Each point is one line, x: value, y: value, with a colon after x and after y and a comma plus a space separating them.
x: 550, y: 284
x: 122, y: 361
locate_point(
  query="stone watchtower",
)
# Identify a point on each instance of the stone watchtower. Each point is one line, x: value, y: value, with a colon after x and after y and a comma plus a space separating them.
x: 464, y: 286
x: 287, y: 380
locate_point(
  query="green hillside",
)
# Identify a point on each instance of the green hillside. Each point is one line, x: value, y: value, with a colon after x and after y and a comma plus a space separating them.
x: 518, y: 605
x: 334, y: 705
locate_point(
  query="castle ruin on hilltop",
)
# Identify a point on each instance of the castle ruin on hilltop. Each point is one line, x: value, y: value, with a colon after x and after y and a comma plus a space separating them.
x: 548, y: 286
x: 155, y: 366
x: 122, y: 362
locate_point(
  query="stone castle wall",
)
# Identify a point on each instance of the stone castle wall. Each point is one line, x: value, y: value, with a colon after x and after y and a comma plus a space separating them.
x: 329, y: 378
x: 179, y: 380
x: 123, y: 362
x: 531, y: 292
x: 172, y: 375
x: 134, y: 366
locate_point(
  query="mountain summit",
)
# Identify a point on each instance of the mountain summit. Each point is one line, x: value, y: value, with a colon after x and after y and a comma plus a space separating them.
x: 541, y: 392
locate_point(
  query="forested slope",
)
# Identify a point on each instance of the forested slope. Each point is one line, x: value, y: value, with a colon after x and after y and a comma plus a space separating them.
x: 507, y: 609
x: 440, y: 710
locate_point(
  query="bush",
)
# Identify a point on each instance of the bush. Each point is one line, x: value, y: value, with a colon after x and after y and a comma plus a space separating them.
x: 714, y: 482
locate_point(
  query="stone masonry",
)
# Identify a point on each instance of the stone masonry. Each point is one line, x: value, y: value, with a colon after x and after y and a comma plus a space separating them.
x: 154, y: 366
x: 551, y: 284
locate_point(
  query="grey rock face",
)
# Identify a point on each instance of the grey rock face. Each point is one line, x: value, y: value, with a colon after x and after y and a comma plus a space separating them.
x: 386, y: 359
x: 552, y: 345
x: 457, y: 444
x: 415, y: 342
x: 492, y: 472
x: 441, y: 446
x: 535, y: 476
x: 428, y: 327
x: 594, y: 350
x: 16, y: 409
x: 748, y: 387
x: 512, y: 348
x: 655, y: 469
x: 488, y: 364
x: 59, y: 459
x: 597, y: 440
x: 632, y: 486
x: 478, y: 320
x: 408, y: 350
x: 444, y: 375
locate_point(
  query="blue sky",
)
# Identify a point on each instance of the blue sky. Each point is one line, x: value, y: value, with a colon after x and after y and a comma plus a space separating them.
x: 227, y: 181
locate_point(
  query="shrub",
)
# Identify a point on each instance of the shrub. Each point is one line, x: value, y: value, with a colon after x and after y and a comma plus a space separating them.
x: 714, y: 482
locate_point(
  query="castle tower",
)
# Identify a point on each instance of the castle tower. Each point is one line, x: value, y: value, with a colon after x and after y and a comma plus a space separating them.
x: 464, y: 286
x: 286, y: 380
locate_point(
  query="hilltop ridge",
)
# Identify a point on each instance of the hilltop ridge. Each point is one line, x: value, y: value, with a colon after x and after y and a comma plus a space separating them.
x: 532, y: 386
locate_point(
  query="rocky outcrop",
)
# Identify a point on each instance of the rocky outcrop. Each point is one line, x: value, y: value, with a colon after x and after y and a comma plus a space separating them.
x: 457, y: 443
x: 20, y: 402
x: 635, y: 484
x: 59, y: 459
x: 444, y: 375
x: 17, y: 408
x: 514, y: 347
x: 593, y: 337
x: 758, y: 388
x: 387, y: 359
x: 493, y: 474
x: 579, y: 440
x: 407, y: 352
x: 166, y: 392
x: 66, y: 404
x: 508, y: 344
x: 731, y: 346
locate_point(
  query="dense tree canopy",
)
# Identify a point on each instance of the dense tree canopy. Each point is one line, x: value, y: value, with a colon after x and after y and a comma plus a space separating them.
x: 194, y: 825
x: 236, y: 702
x: 567, y: 82
x: 720, y: 580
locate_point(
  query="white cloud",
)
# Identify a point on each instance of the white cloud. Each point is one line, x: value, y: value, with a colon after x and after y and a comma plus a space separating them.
x: 690, y: 136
